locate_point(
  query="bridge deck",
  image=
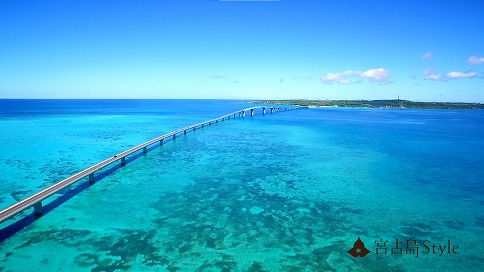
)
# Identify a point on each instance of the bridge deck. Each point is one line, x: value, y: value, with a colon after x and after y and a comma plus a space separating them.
x: 36, y: 199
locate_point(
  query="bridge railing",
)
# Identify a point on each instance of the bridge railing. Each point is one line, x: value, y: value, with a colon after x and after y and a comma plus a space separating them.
x: 35, y: 200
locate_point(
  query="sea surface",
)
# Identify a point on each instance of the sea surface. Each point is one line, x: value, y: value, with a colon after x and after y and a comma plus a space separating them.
x: 289, y: 191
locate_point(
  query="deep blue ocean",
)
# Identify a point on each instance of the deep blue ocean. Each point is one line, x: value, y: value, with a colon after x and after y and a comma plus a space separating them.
x: 289, y: 191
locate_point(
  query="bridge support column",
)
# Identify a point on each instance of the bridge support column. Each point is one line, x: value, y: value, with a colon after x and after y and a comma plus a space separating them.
x: 161, y: 142
x: 243, y: 113
x: 123, y: 161
x: 145, y: 150
x: 174, y: 136
x: 251, y: 112
x: 185, y: 131
x: 38, y: 208
x: 263, y: 110
x: 91, y: 178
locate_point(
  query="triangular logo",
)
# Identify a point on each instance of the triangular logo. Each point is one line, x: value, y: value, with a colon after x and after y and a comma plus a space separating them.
x: 358, y: 249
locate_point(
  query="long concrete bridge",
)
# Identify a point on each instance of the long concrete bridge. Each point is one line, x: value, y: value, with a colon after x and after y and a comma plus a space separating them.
x: 35, y: 200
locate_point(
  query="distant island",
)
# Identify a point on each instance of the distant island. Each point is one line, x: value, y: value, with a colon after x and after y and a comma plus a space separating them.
x: 393, y: 104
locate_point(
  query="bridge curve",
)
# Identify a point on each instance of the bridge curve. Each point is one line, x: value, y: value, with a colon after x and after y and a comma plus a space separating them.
x: 36, y: 199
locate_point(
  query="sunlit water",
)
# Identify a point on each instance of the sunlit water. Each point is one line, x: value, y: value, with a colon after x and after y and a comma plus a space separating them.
x: 289, y: 191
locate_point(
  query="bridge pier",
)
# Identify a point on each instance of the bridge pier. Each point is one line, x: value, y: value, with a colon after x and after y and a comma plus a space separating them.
x: 91, y: 178
x: 185, y: 131
x: 38, y: 208
x: 174, y: 136
x: 123, y: 161
x: 161, y: 142
x: 145, y: 150
x: 243, y: 113
x: 251, y: 112
x: 263, y: 110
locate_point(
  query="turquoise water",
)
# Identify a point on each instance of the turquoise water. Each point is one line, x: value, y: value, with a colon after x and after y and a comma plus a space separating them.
x: 290, y: 191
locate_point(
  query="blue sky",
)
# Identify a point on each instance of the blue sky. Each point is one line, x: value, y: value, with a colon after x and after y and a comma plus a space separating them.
x: 419, y: 50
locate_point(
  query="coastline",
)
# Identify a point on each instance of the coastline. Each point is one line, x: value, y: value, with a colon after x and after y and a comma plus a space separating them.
x: 392, y: 104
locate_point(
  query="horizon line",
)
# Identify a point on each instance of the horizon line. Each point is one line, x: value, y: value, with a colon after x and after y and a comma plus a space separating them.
x: 243, y: 99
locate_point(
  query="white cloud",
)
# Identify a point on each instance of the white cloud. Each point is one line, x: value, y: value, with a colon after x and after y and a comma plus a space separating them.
x: 340, y: 78
x: 427, y: 55
x: 455, y: 75
x: 333, y: 76
x: 430, y: 74
x: 433, y: 77
x: 379, y: 74
x: 475, y: 60
x: 344, y: 81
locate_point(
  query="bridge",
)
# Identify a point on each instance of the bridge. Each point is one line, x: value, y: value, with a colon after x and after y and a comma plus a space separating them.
x: 35, y: 200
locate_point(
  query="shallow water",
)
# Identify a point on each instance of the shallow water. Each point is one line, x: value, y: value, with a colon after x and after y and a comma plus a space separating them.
x: 289, y: 191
